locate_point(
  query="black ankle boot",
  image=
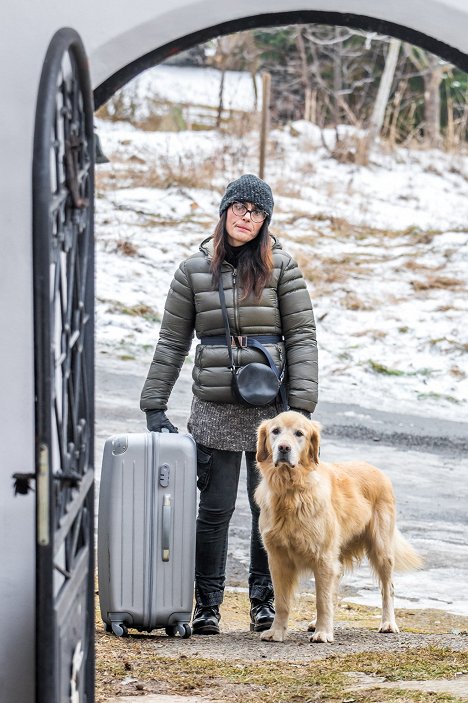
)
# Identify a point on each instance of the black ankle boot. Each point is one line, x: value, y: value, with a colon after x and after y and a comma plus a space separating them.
x: 262, y: 614
x: 205, y: 620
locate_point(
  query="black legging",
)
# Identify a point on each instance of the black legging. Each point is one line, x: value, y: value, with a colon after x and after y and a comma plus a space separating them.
x: 218, y: 478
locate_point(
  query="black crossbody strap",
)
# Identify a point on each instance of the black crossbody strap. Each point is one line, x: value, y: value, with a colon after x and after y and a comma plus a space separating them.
x: 227, y: 329
x: 252, y: 342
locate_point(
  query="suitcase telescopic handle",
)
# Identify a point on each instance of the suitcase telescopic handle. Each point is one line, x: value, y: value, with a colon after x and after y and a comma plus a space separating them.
x: 166, y: 527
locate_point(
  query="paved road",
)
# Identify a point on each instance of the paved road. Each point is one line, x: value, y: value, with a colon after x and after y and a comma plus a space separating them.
x: 426, y: 459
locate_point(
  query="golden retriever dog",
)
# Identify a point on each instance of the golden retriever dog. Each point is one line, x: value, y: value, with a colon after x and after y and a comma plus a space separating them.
x: 322, y: 517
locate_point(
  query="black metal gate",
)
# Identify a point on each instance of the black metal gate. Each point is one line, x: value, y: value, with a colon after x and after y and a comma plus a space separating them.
x: 63, y: 249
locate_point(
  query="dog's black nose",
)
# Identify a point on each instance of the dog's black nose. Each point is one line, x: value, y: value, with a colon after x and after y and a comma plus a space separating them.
x: 284, y: 448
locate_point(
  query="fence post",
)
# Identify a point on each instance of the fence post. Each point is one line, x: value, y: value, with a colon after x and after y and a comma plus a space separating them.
x: 266, y: 81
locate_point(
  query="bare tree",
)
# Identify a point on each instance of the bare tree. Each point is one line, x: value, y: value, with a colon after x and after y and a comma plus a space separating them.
x: 383, y: 94
x: 236, y: 52
x: 432, y: 70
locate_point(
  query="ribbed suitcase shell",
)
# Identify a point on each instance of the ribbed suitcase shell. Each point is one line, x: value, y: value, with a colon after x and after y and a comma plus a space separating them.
x: 146, y: 531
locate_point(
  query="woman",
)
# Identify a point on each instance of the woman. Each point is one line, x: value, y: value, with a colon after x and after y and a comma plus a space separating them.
x: 265, y: 295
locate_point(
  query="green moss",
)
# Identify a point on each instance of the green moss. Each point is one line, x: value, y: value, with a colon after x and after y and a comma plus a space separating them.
x: 387, y: 371
x: 140, y: 310
x: 439, y: 396
x: 380, y: 368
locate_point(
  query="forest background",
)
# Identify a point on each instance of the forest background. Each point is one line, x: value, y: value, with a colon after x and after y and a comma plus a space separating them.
x: 332, y: 76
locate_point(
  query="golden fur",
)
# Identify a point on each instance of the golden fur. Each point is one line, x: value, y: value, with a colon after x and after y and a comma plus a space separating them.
x: 323, y: 517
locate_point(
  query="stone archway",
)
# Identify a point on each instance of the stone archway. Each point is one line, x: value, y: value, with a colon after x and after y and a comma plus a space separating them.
x: 433, y: 43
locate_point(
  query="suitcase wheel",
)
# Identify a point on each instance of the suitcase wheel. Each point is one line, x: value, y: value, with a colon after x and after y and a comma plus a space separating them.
x: 119, y: 629
x: 182, y: 629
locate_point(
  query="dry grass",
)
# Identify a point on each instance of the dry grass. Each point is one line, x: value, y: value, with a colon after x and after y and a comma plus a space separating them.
x: 143, y: 664
x: 138, y: 310
x: 126, y: 248
x: 351, y: 149
x: 164, y: 116
x: 457, y: 372
x: 415, y: 265
x: 352, y: 301
x: 375, y: 334
x: 288, y: 189
x: 239, y: 124
x: 328, y: 273
x: 182, y: 173
x: 438, y: 282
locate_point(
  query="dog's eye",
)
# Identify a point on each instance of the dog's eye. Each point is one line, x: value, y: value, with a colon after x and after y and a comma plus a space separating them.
x: 298, y: 433
x: 275, y: 430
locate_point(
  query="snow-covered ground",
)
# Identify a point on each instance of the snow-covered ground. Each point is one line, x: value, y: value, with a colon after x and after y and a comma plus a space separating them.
x: 384, y: 247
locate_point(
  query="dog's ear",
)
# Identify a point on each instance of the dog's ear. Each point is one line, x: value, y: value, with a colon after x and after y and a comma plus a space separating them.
x: 262, y: 436
x: 314, y: 442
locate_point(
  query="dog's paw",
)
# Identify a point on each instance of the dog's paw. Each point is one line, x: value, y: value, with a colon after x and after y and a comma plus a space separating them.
x: 322, y: 636
x: 311, y: 626
x: 387, y: 626
x: 273, y: 635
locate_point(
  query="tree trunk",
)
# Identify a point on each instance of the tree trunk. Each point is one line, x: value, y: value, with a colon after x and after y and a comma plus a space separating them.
x: 221, y: 99
x: 385, y: 86
x: 432, y: 80
x: 392, y: 131
x: 337, y: 82
x: 304, y: 70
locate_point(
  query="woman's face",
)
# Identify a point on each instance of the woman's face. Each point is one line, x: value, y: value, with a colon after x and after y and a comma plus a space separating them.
x: 241, y: 229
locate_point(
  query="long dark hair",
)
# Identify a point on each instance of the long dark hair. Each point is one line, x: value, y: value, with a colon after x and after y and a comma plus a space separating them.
x: 255, y: 262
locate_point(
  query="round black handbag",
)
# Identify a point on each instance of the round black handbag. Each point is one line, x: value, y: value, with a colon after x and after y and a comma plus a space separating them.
x: 255, y: 384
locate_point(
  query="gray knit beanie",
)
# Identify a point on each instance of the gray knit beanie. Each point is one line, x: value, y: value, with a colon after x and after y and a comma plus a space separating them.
x: 248, y: 189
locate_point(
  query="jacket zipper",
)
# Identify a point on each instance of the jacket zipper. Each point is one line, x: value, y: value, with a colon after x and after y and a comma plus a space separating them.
x: 236, y: 310
x: 234, y: 301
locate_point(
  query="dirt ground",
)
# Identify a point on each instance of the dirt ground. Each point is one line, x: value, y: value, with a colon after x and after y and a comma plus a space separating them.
x: 360, y: 666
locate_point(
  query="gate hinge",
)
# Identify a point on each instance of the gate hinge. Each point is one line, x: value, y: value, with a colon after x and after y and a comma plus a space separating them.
x: 22, y: 485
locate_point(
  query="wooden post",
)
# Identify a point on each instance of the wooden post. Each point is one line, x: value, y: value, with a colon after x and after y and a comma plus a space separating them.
x: 266, y: 81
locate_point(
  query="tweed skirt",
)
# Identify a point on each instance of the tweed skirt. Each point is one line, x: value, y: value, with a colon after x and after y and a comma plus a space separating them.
x: 227, y: 426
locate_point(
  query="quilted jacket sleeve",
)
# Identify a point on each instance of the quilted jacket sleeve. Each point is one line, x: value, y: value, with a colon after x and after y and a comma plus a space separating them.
x: 174, y: 343
x: 298, y: 326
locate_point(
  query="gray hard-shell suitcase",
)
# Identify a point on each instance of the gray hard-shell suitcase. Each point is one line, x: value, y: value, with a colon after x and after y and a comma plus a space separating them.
x: 146, y: 532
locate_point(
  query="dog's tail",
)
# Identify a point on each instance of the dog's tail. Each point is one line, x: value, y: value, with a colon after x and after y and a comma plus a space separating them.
x: 406, y: 558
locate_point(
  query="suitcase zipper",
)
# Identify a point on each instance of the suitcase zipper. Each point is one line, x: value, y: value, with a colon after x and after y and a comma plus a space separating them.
x: 152, y: 526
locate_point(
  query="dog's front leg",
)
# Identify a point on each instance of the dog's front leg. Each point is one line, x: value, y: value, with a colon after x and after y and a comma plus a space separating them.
x: 313, y: 623
x: 284, y: 577
x: 326, y: 572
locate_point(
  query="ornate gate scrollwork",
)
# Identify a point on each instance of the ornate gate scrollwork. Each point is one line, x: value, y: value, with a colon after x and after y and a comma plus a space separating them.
x: 63, y: 249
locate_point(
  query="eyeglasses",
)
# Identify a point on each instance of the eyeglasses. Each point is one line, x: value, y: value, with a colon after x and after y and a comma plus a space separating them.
x: 256, y: 215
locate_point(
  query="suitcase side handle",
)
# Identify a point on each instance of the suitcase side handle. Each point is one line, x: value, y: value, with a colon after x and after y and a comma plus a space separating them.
x: 166, y: 527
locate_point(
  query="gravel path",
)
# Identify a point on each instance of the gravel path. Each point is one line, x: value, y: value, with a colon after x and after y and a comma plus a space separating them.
x: 246, y: 646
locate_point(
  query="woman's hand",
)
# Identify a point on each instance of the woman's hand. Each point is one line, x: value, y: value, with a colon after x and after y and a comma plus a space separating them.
x: 156, y: 421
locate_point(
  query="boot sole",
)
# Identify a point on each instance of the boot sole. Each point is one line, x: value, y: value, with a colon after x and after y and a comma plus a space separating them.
x: 206, y: 630
x: 260, y: 627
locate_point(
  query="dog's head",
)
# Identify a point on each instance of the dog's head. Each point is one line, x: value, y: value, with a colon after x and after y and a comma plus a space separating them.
x: 288, y: 441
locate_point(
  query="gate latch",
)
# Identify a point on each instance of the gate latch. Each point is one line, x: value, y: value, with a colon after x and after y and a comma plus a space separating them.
x: 21, y: 483
x: 71, y: 479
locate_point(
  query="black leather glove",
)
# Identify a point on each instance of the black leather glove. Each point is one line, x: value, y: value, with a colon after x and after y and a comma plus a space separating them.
x: 156, y: 421
x: 306, y: 413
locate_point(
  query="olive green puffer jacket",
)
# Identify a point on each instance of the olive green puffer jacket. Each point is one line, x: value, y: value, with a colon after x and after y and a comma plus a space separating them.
x: 192, y: 304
